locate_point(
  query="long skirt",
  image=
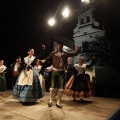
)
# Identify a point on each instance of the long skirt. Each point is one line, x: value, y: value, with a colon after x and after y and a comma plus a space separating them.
x: 2, y: 82
x: 79, y: 87
x: 42, y: 83
x: 27, y: 92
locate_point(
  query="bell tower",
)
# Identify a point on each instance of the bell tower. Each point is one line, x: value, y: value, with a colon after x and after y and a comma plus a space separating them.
x: 87, y: 29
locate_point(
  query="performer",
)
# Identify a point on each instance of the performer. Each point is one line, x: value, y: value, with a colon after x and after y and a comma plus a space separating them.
x: 14, y: 70
x: 2, y: 76
x: 27, y: 88
x: 39, y: 70
x: 59, y: 62
x: 68, y: 73
x: 79, y: 85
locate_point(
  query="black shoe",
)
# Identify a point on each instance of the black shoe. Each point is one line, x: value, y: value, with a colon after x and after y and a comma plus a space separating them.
x: 74, y: 100
x: 59, y: 106
x: 81, y: 100
x: 49, y: 104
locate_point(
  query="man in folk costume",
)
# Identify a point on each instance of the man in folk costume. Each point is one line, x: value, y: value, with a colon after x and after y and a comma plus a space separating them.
x: 14, y: 70
x: 59, y: 63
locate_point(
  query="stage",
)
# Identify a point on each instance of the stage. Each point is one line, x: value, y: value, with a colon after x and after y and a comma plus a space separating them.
x: 94, y: 108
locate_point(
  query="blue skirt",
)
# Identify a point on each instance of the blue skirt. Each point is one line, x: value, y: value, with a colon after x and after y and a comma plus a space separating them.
x: 28, y: 93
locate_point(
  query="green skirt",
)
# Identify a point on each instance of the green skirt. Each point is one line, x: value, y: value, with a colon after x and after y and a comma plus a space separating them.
x: 2, y: 82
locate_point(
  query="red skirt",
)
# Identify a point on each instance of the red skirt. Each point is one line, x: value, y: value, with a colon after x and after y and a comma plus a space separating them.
x: 78, y: 94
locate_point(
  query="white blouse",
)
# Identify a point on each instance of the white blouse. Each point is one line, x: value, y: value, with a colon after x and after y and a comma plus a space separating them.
x: 2, y: 68
x: 80, y: 69
x: 28, y: 60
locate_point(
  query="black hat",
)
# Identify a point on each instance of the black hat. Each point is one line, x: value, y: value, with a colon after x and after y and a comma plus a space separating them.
x: 60, y: 42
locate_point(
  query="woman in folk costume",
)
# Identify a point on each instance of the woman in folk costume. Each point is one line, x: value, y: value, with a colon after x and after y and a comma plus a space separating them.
x: 79, y: 85
x: 27, y: 87
x: 2, y: 76
x: 39, y: 70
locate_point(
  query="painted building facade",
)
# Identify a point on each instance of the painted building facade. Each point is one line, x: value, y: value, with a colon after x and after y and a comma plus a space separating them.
x: 87, y: 29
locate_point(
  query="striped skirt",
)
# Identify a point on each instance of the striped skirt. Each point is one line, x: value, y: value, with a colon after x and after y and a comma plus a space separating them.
x: 28, y: 93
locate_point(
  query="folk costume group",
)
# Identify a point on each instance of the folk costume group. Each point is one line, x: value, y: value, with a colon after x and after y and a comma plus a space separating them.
x: 30, y: 84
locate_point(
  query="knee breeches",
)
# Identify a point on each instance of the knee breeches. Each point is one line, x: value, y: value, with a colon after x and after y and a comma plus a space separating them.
x: 57, y: 79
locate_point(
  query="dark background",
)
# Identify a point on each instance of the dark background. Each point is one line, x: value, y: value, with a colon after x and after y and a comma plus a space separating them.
x: 24, y: 24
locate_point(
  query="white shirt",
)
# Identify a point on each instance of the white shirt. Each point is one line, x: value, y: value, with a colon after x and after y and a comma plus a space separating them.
x: 16, y: 66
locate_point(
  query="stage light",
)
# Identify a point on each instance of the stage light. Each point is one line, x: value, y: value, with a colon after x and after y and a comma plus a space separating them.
x: 51, y: 22
x: 66, y: 12
x: 86, y: 1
